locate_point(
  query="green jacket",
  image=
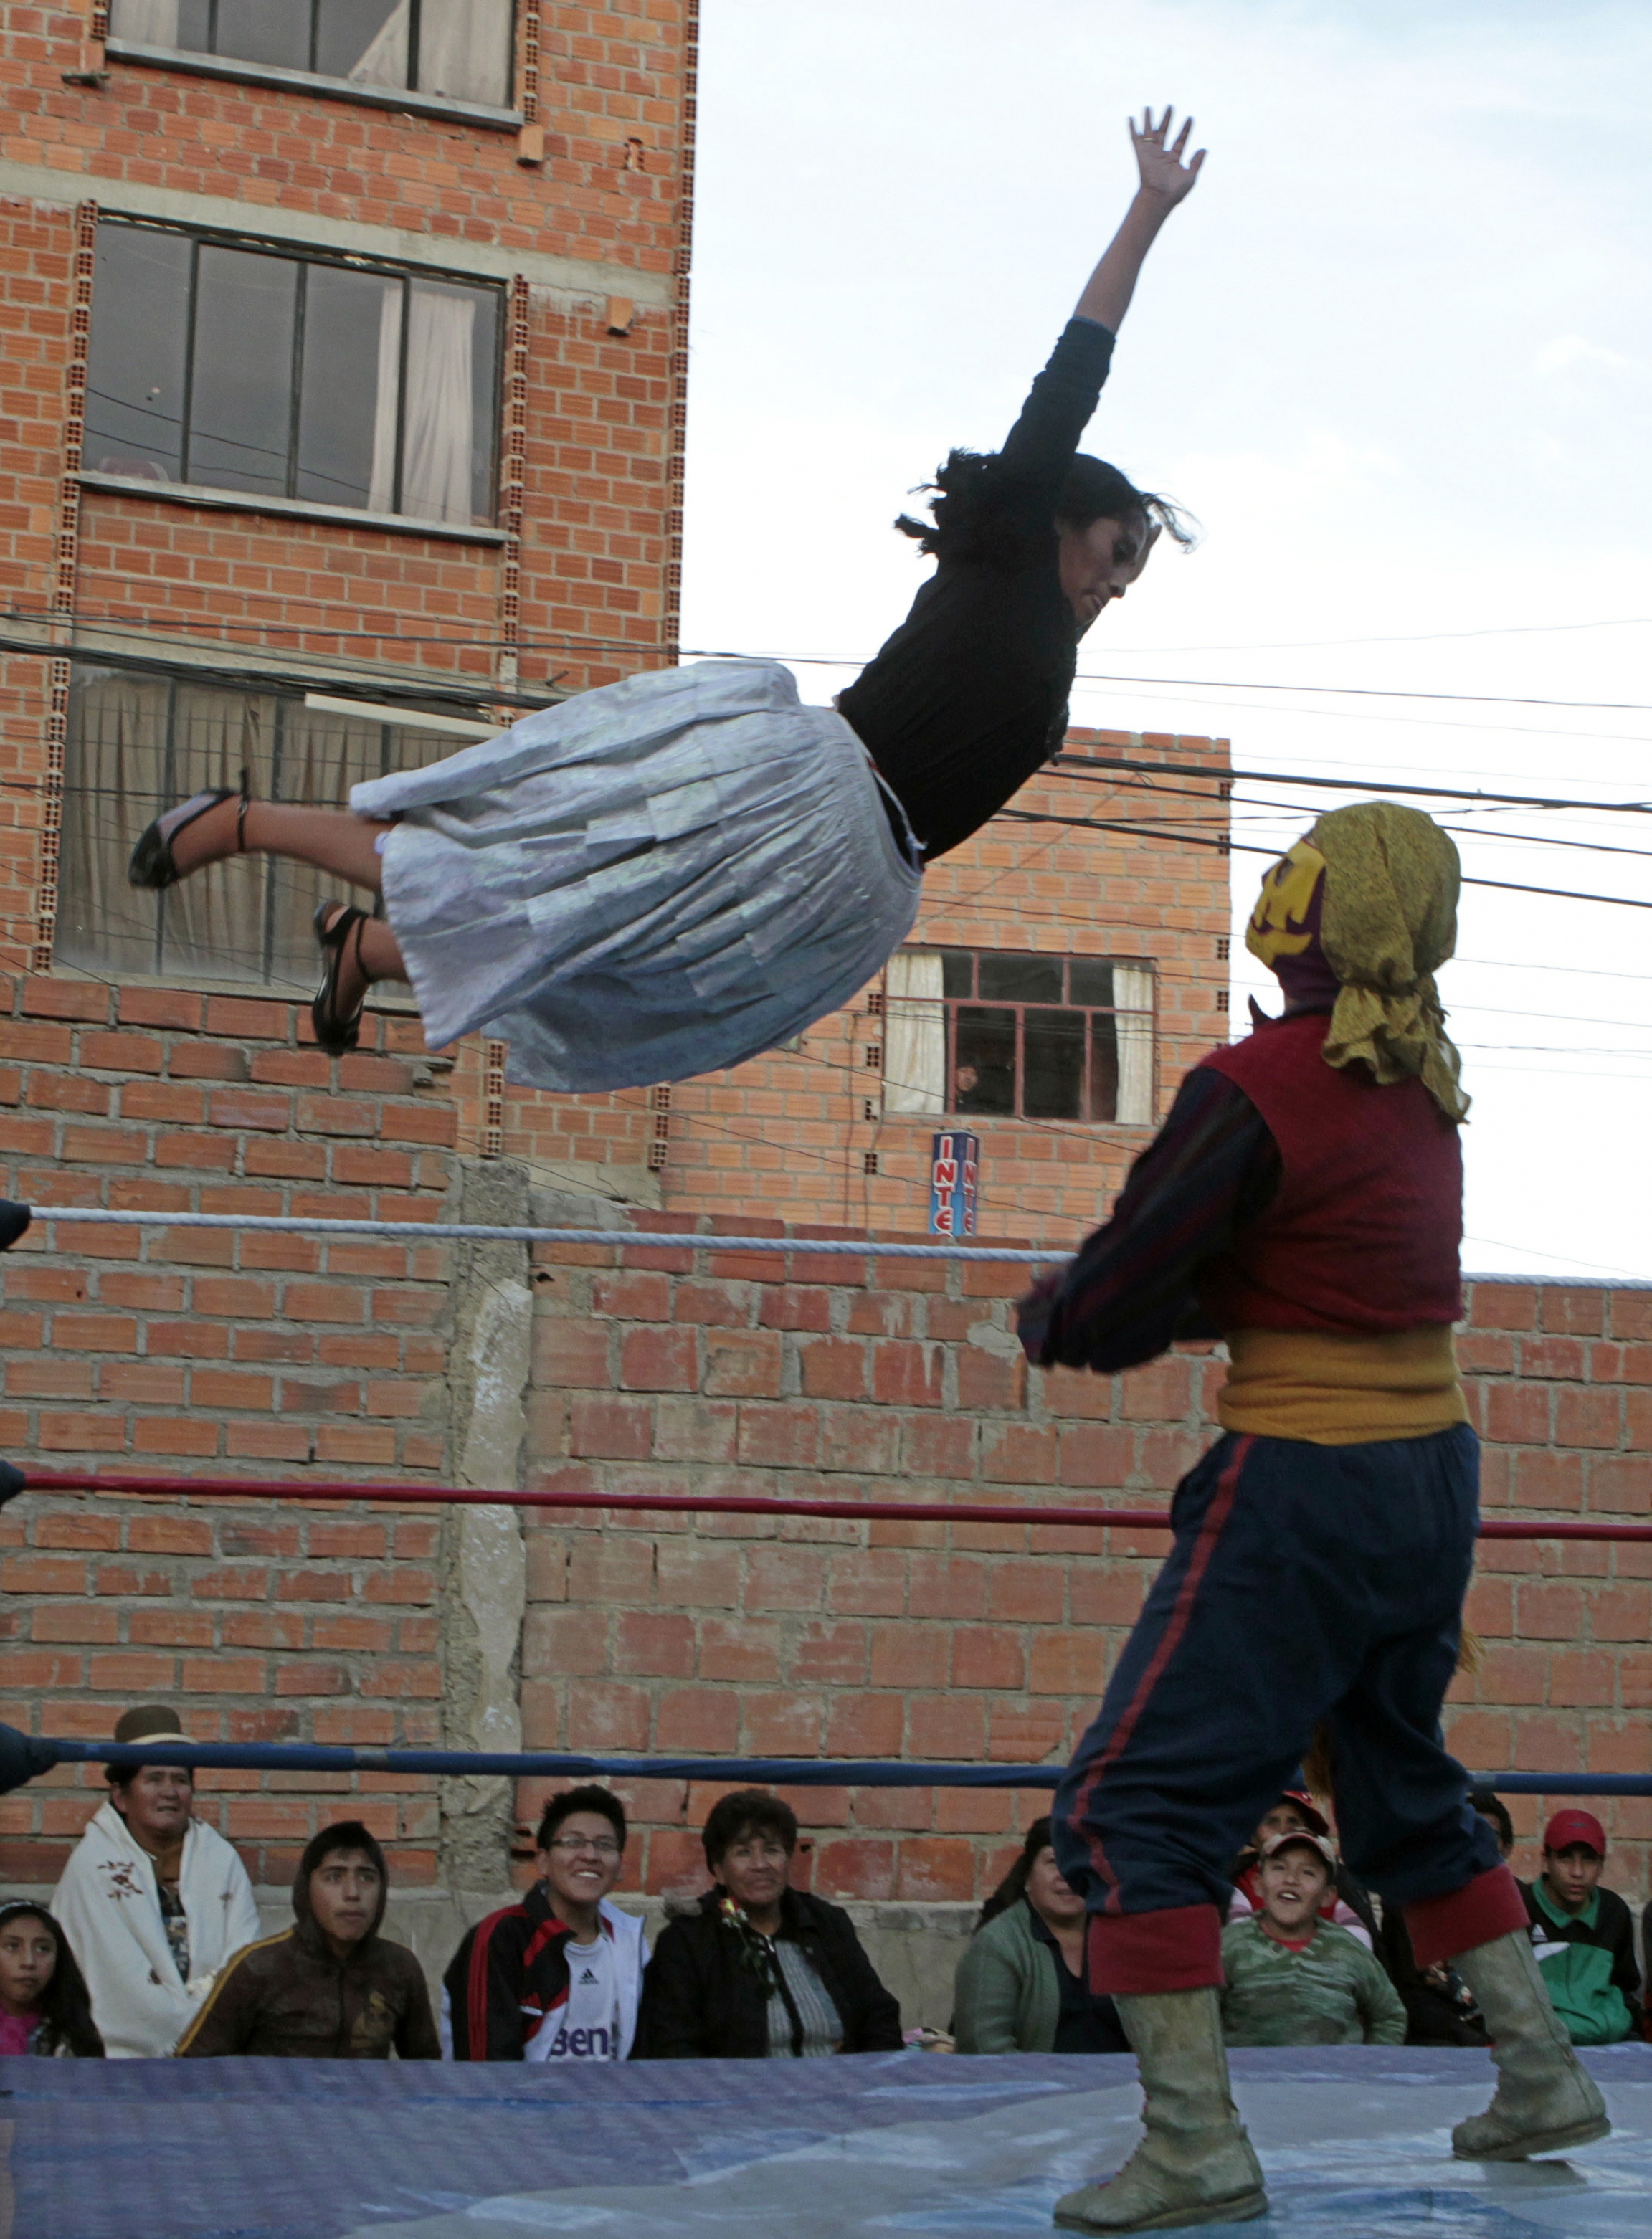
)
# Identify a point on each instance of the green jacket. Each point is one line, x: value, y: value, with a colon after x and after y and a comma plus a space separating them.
x: 1331, y: 1992
x: 1007, y: 1997
x: 1587, y: 1962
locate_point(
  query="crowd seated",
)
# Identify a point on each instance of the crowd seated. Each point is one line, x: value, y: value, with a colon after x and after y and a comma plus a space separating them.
x: 558, y: 1975
x: 330, y: 1987
x: 45, y: 2006
x: 153, y: 1903
x: 759, y: 1971
x: 1024, y: 1983
x: 1293, y: 1976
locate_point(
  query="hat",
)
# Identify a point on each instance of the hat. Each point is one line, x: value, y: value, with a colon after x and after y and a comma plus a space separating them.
x: 1310, y: 1811
x: 1276, y: 1844
x: 1568, y: 1827
x: 148, y: 1722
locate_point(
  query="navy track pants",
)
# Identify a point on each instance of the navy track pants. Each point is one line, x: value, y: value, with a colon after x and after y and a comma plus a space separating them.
x: 1306, y: 1581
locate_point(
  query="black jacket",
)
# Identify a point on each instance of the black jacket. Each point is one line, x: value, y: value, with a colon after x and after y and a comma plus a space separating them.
x: 702, y: 2001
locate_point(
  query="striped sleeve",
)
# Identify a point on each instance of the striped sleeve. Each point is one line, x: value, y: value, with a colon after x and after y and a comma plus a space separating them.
x: 1129, y: 1293
x: 229, y: 2013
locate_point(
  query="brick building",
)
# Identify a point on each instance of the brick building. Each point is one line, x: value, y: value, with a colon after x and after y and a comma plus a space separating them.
x: 444, y: 484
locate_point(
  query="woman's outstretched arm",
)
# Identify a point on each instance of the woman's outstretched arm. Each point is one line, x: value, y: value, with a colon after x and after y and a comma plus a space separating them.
x: 1166, y: 180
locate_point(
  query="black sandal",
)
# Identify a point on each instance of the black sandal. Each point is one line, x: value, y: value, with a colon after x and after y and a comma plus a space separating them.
x: 336, y: 1035
x: 152, y: 865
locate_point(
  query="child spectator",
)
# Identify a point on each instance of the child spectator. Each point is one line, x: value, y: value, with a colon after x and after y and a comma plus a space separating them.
x: 1346, y: 1902
x: 330, y: 1987
x: 1294, y: 1977
x: 1583, y: 1935
x: 44, y: 2005
x: 558, y: 1975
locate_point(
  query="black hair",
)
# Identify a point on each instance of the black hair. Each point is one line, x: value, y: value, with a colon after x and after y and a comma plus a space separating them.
x: 1013, y: 1887
x: 64, y: 2006
x: 748, y: 1811
x: 343, y: 1835
x: 1493, y: 1808
x: 980, y: 514
x: 589, y: 1798
x: 122, y: 1776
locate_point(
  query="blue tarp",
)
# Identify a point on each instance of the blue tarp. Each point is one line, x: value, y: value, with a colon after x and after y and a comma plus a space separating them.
x: 1354, y: 2142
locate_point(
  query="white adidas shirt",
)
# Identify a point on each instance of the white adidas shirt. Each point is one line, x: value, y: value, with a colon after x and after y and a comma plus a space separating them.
x: 588, y: 2026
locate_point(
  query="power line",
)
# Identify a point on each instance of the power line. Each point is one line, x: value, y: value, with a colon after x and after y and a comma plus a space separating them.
x: 1468, y: 793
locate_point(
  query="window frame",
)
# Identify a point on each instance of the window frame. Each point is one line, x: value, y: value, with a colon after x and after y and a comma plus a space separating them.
x: 221, y: 494
x: 196, y: 61
x: 953, y: 1004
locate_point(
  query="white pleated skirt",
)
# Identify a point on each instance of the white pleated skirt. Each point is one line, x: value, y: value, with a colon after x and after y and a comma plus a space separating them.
x: 657, y: 878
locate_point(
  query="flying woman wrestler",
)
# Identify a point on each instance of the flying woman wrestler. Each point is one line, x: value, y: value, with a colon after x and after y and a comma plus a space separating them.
x: 665, y: 876
x: 1304, y: 1202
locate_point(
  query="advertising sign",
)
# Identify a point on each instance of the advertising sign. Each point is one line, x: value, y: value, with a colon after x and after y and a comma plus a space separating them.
x: 954, y: 1176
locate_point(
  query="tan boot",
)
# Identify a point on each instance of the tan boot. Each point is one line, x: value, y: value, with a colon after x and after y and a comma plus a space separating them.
x: 1194, y: 2165
x: 1545, y: 2100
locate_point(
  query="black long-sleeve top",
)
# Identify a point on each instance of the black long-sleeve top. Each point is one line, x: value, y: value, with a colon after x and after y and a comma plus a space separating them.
x: 969, y: 697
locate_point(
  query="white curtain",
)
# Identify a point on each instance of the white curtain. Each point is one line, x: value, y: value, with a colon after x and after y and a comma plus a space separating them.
x: 1133, y: 994
x: 915, y: 1035
x: 464, y: 49
x: 384, y: 60
x: 436, y: 436
x: 381, y: 486
x: 145, y: 22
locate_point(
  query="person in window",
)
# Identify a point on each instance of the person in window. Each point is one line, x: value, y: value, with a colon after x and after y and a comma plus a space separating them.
x: 45, y: 2006
x: 153, y: 1903
x: 759, y: 1971
x: 330, y: 1987
x: 668, y: 875
x: 1021, y: 1984
x: 1304, y: 1202
x: 559, y: 1975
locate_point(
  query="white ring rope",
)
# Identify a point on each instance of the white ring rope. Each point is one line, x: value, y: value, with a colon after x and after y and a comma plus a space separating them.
x: 464, y: 1231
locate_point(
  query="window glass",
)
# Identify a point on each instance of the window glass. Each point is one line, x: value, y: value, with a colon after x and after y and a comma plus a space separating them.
x: 957, y: 972
x: 984, y: 1073
x: 464, y: 49
x: 271, y: 31
x: 348, y: 388
x: 1089, y: 981
x: 240, y: 386
x: 1103, y: 1071
x: 135, y: 369
x: 305, y: 380
x: 363, y: 39
x: 1022, y: 979
x: 1053, y: 1064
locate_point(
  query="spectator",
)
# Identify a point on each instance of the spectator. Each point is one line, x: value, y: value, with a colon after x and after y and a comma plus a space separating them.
x: 1439, y: 2006
x: 1346, y: 1904
x: 559, y: 1975
x: 152, y: 1901
x: 760, y: 1970
x: 1294, y: 1977
x: 330, y: 1987
x: 1023, y: 1983
x: 43, y: 2004
x: 1583, y: 1935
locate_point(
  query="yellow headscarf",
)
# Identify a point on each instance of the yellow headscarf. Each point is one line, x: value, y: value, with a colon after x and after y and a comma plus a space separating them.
x: 1387, y: 917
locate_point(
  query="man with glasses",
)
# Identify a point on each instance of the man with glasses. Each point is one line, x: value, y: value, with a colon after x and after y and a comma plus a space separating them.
x: 558, y: 1975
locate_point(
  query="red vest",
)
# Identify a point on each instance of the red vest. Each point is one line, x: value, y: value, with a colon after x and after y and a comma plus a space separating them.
x: 1363, y: 1236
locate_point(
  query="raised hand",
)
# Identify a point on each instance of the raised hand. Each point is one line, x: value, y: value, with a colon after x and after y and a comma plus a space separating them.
x: 1159, y: 159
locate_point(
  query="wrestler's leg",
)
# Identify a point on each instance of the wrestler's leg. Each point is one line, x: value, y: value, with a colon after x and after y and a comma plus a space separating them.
x: 330, y: 839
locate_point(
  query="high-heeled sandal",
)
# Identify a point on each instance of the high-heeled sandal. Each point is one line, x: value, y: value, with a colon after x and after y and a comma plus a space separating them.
x: 336, y: 1035
x: 152, y: 863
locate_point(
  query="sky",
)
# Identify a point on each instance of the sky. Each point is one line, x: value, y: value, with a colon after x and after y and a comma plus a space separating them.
x: 1395, y: 352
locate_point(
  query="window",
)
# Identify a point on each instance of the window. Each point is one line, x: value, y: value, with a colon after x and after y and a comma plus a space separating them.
x: 459, y: 50
x: 1019, y: 1036
x: 246, y: 369
x: 136, y: 744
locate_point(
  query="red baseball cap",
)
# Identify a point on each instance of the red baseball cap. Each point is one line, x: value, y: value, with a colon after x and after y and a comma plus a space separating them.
x: 1568, y: 1827
x: 1310, y: 1811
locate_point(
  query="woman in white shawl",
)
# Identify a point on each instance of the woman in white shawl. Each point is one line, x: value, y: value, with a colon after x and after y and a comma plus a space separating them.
x: 152, y: 1901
